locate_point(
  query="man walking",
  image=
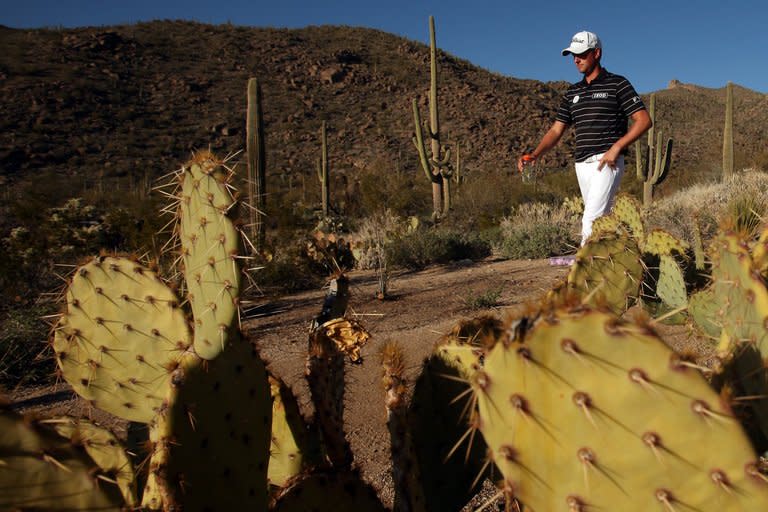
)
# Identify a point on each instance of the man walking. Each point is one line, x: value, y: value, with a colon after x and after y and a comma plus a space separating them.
x: 598, y: 107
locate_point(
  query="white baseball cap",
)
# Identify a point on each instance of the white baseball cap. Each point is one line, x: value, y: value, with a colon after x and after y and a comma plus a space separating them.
x: 582, y: 42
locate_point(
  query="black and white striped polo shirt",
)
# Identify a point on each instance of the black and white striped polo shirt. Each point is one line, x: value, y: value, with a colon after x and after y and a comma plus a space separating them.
x: 599, y: 111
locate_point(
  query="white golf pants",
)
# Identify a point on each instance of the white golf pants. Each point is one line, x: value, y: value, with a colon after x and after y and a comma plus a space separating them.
x: 598, y: 189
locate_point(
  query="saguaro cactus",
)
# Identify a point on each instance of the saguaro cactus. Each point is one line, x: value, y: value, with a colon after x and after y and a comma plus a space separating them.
x: 728, y: 132
x: 257, y: 165
x: 323, y: 171
x: 652, y: 168
x: 436, y: 167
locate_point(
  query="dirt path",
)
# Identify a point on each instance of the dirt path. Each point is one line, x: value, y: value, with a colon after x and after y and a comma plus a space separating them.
x: 424, y: 305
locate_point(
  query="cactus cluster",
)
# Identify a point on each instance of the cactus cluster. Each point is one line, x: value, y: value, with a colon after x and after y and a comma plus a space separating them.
x: 654, y: 161
x: 623, y: 263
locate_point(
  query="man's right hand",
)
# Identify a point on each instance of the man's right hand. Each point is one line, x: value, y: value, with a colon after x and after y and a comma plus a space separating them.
x: 525, y: 160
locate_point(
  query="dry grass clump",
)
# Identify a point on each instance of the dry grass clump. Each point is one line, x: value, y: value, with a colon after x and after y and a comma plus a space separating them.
x: 374, y: 234
x: 707, y: 206
x: 538, y: 230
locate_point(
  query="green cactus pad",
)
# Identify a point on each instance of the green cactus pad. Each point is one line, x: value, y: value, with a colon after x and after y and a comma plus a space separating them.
x: 104, y: 449
x: 120, y: 337
x: 210, y: 244
x: 442, y: 418
x: 592, y: 413
x: 607, y: 272
x: 741, y: 290
x: 742, y: 294
x: 671, y: 285
x: 328, y: 492
x: 291, y: 442
x: 663, y: 243
x: 627, y: 210
x: 607, y: 224
x: 760, y: 253
x: 212, y: 442
x: 40, y: 470
x: 703, y: 309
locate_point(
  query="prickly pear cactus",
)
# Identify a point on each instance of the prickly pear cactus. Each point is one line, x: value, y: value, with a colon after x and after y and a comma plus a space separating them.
x: 627, y: 210
x: 212, y: 439
x: 292, y: 444
x: 587, y: 412
x: 608, y: 272
x: 443, y: 420
x: 121, y: 336
x: 40, y: 470
x: 210, y: 246
x: 104, y: 448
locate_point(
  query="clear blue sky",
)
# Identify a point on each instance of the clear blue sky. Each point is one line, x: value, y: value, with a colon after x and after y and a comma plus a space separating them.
x: 705, y: 42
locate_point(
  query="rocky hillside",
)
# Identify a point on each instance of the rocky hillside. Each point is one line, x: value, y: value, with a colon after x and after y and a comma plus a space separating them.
x: 131, y: 101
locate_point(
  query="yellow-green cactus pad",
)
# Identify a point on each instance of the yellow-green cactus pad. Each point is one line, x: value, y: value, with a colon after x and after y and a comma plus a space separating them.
x: 40, y: 470
x: 212, y: 441
x: 592, y: 413
x: 105, y: 450
x: 290, y: 439
x: 210, y: 245
x: 703, y: 309
x: 120, y: 337
x: 671, y: 286
x: 627, y: 210
x: 663, y: 243
x: 607, y: 272
x: 606, y: 224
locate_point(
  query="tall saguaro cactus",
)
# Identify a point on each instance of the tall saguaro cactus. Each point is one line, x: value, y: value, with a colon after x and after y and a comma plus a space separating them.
x: 728, y: 132
x: 436, y: 167
x: 653, y: 164
x: 323, y: 171
x: 257, y: 164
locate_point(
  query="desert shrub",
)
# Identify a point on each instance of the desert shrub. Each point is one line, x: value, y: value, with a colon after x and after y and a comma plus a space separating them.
x: 424, y: 247
x: 483, y: 300
x: 705, y: 205
x: 377, y: 232
x: 24, y: 356
x: 539, y: 230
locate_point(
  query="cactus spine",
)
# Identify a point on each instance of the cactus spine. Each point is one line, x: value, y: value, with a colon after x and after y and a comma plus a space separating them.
x: 728, y: 132
x: 322, y: 171
x: 435, y: 168
x: 257, y: 165
x: 653, y: 169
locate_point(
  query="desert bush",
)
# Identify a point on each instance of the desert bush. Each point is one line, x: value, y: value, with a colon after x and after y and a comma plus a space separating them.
x: 23, y: 346
x: 539, y: 230
x: 437, y: 245
x: 704, y: 205
x: 483, y: 300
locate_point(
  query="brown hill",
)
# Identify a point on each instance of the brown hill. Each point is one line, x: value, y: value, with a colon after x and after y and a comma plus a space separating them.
x: 128, y: 101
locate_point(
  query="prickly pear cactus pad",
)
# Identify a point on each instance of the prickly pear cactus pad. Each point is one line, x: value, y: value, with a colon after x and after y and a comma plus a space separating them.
x: 742, y: 291
x: 660, y: 243
x: 703, y: 309
x: 627, y: 210
x: 743, y: 296
x: 40, y: 470
x: 607, y: 271
x: 290, y: 439
x: 209, y: 244
x: 592, y: 413
x: 213, y: 439
x: 120, y: 337
x: 442, y: 417
x: 671, y: 285
x: 104, y: 448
